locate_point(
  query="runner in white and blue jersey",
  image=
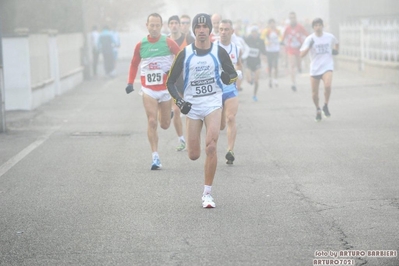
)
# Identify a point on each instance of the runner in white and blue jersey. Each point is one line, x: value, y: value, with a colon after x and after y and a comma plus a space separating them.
x: 205, y: 66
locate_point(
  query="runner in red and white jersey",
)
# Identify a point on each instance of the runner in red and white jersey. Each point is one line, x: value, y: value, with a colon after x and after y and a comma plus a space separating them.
x: 293, y: 37
x: 155, y: 54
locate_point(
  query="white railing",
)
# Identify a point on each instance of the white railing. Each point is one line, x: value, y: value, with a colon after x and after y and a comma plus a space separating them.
x: 374, y: 40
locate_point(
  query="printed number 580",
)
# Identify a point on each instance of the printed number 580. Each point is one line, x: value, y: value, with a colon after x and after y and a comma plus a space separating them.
x: 203, y: 89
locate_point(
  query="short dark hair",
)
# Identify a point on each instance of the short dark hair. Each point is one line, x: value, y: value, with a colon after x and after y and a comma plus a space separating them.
x: 317, y: 21
x: 154, y: 15
x: 228, y: 21
x: 175, y: 17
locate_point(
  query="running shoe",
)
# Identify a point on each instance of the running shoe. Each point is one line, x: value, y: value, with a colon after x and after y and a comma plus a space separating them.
x: 325, y: 111
x: 293, y: 88
x: 270, y: 84
x: 156, y: 164
x: 255, y: 98
x: 275, y: 83
x: 182, y: 146
x: 207, y: 201
x: 230, y: 157
x: 318, y: 115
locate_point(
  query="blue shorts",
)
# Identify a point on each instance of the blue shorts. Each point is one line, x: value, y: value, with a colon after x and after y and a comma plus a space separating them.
x: 229, y: 95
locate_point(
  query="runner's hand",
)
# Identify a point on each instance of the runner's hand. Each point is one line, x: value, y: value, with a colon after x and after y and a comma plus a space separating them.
x: 335, y: 52
x: 129, y: 88
x: 239, y: 74
x: 184, y: 106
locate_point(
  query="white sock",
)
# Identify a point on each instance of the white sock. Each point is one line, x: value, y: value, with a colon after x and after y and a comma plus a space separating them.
x: 207, y: 189
x: 155, y: 155
x: 181, y: 138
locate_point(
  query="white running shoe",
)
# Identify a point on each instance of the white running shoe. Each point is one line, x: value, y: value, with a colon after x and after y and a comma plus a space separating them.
x: 156, y: 164
x: 207, y: 201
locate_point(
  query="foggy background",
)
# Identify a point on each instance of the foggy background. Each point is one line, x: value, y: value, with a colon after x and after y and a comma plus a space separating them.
x: 127, y: 15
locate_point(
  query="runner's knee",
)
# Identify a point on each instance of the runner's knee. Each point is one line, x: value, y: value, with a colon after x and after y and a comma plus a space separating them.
x: 210, y: 148
x: 152, y: 122
x: 165, y: 124
x: 193, y: 154
x: 231, y: 118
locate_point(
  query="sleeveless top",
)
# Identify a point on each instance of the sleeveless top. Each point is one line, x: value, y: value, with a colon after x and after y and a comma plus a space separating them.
x: 234, y: 53
x: 201, y: 74
x: 156, y: 60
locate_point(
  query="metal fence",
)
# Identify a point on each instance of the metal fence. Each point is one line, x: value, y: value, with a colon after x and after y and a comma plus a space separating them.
x: 374, y: 40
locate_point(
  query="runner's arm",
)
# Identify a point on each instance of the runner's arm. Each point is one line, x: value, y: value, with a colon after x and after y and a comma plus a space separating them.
x: 134, y: 64
x: 229, y: 74
x: 174, y: 73
x: 306, y: 46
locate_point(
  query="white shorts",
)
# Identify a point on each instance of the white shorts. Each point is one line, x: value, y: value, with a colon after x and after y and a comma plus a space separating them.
x: 201, y: 113
x: 160, y: 96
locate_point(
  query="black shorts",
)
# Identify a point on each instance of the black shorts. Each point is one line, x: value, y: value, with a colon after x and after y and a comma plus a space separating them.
x: 253, y: 66
x: 319, y: 77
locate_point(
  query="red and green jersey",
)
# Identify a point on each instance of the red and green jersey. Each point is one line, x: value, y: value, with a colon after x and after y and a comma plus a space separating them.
x: 156, y: 56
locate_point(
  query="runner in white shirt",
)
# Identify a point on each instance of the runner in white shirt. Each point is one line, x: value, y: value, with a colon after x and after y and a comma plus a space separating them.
x: 244, y: 48
x: 230, y: 93
x: 321, y: 47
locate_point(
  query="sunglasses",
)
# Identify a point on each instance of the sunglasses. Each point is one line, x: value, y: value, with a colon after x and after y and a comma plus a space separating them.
x: 185, y: 23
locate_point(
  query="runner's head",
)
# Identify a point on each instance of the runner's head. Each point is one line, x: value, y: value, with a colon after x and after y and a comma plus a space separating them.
x: 317, y: 21
x: 254, y: 31
x: 215, y: 19
x: 317, y: 25
x: 272, y: 23
x: 185, y: 23
x: 202, y: 19
x: 154, y: 25
x: 174, y: 24
x: 225, y: 31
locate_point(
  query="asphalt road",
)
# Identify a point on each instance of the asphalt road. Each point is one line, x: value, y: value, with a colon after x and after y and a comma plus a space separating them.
x: 76, y: 186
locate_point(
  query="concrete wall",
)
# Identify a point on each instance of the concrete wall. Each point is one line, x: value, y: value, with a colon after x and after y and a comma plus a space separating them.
x: 39, y: 67
x: 388, y: 71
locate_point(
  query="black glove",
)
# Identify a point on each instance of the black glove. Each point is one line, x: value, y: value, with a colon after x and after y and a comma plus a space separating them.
x: 129, y: 88
x: 311, y: 43
x: 225, y: 78
x: 334, y: 52
x: 184, y: 106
